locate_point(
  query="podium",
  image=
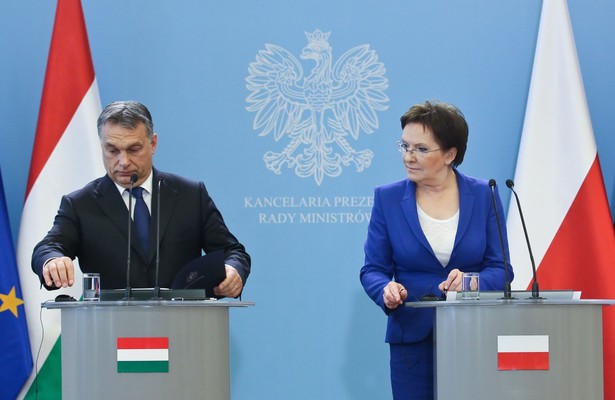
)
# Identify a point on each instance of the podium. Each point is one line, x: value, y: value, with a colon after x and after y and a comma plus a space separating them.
x: 100, y: 338
x: 472, y: 342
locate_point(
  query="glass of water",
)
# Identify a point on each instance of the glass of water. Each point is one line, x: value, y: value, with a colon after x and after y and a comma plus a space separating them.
x: 91, y: 286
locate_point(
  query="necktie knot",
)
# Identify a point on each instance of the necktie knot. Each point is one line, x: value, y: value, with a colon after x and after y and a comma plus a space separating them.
x: 138, y: 193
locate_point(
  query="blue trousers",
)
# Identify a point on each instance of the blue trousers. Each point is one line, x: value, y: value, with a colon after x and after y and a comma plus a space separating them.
x: 412, y: 370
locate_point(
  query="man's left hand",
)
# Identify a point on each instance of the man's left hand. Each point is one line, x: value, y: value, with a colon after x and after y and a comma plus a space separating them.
x: 231, y: 286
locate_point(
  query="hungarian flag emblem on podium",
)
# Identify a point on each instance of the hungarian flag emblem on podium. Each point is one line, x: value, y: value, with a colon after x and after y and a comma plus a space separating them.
x: 142, y: 354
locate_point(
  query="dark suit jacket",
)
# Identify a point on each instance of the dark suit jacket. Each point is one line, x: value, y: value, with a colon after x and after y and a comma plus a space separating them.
x: 92, y: 225
x: 396, y: 248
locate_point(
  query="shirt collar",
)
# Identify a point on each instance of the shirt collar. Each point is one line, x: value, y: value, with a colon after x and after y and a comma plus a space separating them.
x: 147, y: 184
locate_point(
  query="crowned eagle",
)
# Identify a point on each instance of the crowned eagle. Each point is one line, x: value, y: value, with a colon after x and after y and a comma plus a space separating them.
x: 320, y: 112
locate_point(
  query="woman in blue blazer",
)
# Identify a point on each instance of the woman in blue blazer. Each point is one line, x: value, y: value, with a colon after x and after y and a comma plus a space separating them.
x: 424, y: 232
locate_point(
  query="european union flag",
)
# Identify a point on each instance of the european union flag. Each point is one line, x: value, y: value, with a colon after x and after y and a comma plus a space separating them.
x: 15, y: 355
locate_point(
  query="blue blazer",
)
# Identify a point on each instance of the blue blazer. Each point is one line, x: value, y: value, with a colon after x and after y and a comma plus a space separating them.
x: 397, y: 249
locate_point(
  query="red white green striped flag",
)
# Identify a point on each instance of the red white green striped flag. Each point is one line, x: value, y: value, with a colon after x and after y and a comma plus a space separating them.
x: 142, y: 354
x: 523, y: 352
x: 66, y: 156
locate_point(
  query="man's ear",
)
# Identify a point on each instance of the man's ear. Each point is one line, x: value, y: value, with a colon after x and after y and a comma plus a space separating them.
x: 154, y: 141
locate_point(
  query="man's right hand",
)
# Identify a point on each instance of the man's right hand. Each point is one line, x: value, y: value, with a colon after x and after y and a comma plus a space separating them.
x: 59, y: 272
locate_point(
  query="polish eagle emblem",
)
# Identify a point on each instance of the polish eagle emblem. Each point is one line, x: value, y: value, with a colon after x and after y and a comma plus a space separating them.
x: 320, y: 113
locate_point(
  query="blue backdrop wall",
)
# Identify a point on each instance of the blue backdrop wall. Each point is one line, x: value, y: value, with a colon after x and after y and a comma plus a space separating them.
x: 313, y: 333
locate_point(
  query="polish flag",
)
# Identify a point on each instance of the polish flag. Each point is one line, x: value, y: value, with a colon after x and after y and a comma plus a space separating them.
x: 559, y: 181
x: 66, y: 155
x: 523, y: 352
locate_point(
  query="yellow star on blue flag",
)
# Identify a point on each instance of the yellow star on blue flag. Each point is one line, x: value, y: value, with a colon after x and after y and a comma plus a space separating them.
x: 10, y: 302
x: 15, y: 353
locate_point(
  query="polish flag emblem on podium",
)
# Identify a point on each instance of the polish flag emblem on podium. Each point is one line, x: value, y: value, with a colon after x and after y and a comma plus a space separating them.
x: 523, y: 352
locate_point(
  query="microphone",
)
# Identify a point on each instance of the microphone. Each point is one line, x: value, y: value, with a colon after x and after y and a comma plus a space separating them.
x: 133, y: 179
x: 535, y: 289
x: 507, y: 290
x: 157, y: 286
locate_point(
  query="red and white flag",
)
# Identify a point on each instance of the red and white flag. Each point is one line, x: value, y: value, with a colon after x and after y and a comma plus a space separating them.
x: 560, y: 183
x: 523, y: 352
x: 66, y: 155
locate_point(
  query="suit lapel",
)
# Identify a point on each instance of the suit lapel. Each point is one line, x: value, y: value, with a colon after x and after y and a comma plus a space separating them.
x: 408, y: 205
x: 110, y: 201
x: 466, y: 205
x: 168, y: 197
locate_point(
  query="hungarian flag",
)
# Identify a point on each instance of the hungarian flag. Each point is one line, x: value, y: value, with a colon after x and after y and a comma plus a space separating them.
x: 560, y: 184
x: 66, y: 155
x: 142, y: 354
x: 15, y: 355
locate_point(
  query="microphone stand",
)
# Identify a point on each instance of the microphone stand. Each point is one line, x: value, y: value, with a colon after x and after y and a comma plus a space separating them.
x: 128, y: 294
x: 535, y: 288
x: 157, y: 286
x: 507, y: 289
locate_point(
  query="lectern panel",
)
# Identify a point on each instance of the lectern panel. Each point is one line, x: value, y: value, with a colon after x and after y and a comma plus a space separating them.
x: 564, y: 339
x: 166, y: 350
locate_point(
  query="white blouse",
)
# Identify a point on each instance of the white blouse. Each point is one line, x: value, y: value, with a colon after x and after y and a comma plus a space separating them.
x: 440, y: 234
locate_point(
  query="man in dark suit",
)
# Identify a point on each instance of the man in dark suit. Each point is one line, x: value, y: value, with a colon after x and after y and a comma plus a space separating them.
x: 91, y: 224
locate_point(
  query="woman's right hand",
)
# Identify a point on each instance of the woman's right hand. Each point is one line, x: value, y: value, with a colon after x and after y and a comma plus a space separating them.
x: 394, y: 295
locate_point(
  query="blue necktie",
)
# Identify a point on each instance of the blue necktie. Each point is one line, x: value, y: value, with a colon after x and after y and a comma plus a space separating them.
x: 141, y: 217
